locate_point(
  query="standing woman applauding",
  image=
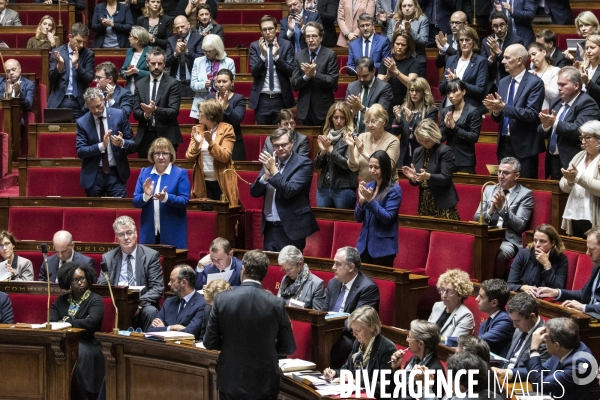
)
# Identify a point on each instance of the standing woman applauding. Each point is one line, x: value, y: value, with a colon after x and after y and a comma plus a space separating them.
x: 590, y: 74
x: 158, y: 25
x: 112, y: 22
x: 410, y: 18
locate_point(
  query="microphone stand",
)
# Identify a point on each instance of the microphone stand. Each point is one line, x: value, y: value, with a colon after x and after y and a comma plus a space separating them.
x: 112, y: 297
x: 481, y: 221
x: 45, y: 255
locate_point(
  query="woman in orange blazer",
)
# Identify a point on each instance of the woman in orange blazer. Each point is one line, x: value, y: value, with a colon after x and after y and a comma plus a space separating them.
x: 348, y: 12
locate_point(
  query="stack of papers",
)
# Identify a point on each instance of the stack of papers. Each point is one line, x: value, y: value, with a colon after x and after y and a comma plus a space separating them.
x: 332, y: 314
x: 55, y: 326
x: 295, y: 364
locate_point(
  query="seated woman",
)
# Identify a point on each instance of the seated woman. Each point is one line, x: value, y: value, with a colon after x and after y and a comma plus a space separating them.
x: 158, y: 25
x: 135, y: 66
x: 543, y: 68
x: 451, y: 315
x: 6, y: 311
x: 206, y: 25
x: 541, y: 264
x: 435, y: 163
x: 299, y: 287
x: 112, y: 22
x: 83, y: 309
x: 45, y: 35
x: 377, y: 209
x: 210, y: 150
x: 211, y: 289
x: 401, y: 68
x: 163, y: 189
x: 13, y: 268
x: 371, y: 351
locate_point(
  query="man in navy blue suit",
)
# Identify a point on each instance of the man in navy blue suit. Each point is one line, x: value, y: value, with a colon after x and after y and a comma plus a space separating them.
x: 292, y: 27
x: 183, y: 312
x: 498, y: 329
x: 6, y: 312
x: 219, y: 260
x: 104, y: 139
x: 115, y: 96
x: 271, y: 66
x: 18, y: 86
x: 520, y: 14
x: 182, y: 50
x: 369, y: 44
x: 438, y: 13
x: 62, y: 242
x: 516, y: 109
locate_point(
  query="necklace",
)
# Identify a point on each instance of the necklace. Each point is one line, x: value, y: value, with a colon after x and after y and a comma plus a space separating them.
x: 543, y: 73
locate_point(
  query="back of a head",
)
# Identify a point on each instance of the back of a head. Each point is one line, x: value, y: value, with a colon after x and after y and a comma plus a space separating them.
x: 523, y: 304
x: 564, y: 331
x: 256, y: 265
x: 474, y: 345
x: 465, y: 361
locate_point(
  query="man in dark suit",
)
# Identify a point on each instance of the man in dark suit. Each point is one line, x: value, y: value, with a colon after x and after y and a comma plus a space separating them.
x: 183, y: 312
x: 6, y: 312
x: 559, y: 10
x: 271, y: 66
x: 16, y: 85
x: 516, y: 109
x: 131, y: 264
x: 285, y: 181
x: 219, y: 260
x: 315, y: 77
x: 547, y: 38
x: 366, y: 91
x: 62, y: 242
x: 438, y: 14
x: 71, y: 71
x: 182, y: 50
x: 104, y: 139
x: 561, y: 122
x: 301, y: 144
x: 369, y: 44
x: 520, y: 14
x: 293, y: 28
x: 156, y: 105
x: 498, y: 329
x: 448, y: 44
x: 252, y: 330
x: 115, y: 96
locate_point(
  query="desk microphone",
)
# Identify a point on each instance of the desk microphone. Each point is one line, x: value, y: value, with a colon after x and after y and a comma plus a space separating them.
x: 104, y: 268
x: 45, y: 255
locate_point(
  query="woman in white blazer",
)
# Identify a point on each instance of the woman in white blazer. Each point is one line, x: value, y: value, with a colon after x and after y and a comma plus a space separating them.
x: 13, y: 268
x: 348, y: 13
x: 450, y: 314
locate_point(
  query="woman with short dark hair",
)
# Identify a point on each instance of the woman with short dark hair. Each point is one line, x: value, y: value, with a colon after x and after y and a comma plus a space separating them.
x: 13, y: 268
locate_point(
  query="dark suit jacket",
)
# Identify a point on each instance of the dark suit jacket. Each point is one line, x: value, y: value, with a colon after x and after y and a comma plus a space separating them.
x: 497, y: 333
x: 148, y: 272
x: 496, y: 70
x: 141, y: 65
x: 445, y: 8
x: 336, y: 164
x: 88, y: 141
x: 442, y: 59
x: 234, y: 280
x: 584, y: 295
x: 558, y: 58
x: 379, y: 93
x: 194, y: 46
x: 317, y: 92
x: 122, y: 18
x: 441, y: 168
x: 168, y: 100
x: 307, y: 16
x: 123, y: 100
x: 379, y: 49
x: 464, y: 135
x: 475, y: 79
x: 523, y: 357
x: 327, y: 10
x: 6, y: 312
x: 526, y: 270
x: 249, y: 367
x: 165, y: 29
x: 59, y: 81
x: 301, y: 145
x: 291, y: 197
x: 523, y: 14
x: 53, y: 262
x: 79, y: 4
x: 364, y: 292
x: 284, y: 67
x: 192, y: 316
x: 27, y: 92
x: 432, y: 363
x: 523, y: 115
x: 560, y: 11
x: 593, y: 87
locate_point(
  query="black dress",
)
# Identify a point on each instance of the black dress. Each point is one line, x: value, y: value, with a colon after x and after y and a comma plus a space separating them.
x: 408, y: 65
x: 234, y: 115
x: 89, y: 371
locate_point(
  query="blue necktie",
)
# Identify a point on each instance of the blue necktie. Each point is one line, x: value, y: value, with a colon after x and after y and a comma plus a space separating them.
x: 394, y: 2
x: 554, y: 137
x: 340, y: 299
x: 509, y: 102
x: 271, y: 69
x: 297, y: 38
x: 366, y: 48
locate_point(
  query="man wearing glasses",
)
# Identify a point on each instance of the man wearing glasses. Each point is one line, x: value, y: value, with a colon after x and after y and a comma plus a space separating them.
x: 131, y: 264
x: 300, y: 143
x: 507, y: 205
x: 448, y: 44
x: 115, y: 96
x: 62, y: 243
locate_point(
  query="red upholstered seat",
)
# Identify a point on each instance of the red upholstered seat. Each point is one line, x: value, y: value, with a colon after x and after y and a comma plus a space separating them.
x: 108, y: 322
x: 53, y: 182
x: 485, y: 154
x: 249, y: 202
x: 249, y: 119
x: 230, y: 16
x: 56, y: 145
x: 184, y: 118
x: 432, y: 74
x: 541, y: 166
x: 273, y: 279
x: 303, y: 336
x: 117, y: 59
x: 572, y: 257
x: 319, y: 243
x: 135, y: 214
x: 479, y: 316
x: 443, y: 250
x: 202, y: 230
x: 469, y: 198
x: 76, y: 221
x: 387, y: 301
x: 488, y: 124
x: 254, y: 238
x: 234, y: 39
x: 413, y: 247
x: 344, y: 234
x: 342, y: 62
x: 583, y: 271
x: 132, y: 181
x: 561, y: 38
x: 243, y: 87
x: 410, y: 198
x: 325, y: 275
x: 34, y: 223
x: 30, y: 308
x: 542, y: 212
x: 182, y: 148
x: 340, y: 93
x: 252, y: 147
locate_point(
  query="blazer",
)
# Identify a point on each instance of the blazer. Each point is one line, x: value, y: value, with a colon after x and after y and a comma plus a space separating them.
x: 520, y: 207
x: 173, y: 213
x: 523, y: 115
x: 496, y: 70
x: 291, y: 197
x: 364, y: 292
x: 348, y: 13
x: 301, y: 144
x: 441, y: 168
x: 584, y: 295
x: 497, y: 333
x: 11, y: 18
x: 558, y: 58
x: 307, y: 16
x: 523, y: 14
x: 21, y: 265
x: 317, y: 92
x: 199, y: 78
x: 53, y: 262
x: 441, y: 60
x: 59, y: 81
x: 217, y: 29
x: 526, y: 270
x: 284, y: 67
x: 27, y: 93
x: 89, y: 316
x: 6, y: 312
x: 122, y: 99
x: 165, y: 29
x: 475, y: 79
x: 336, y: 164
x: 234, y: 279
x: 444, y: 10
x: 462, y: 138
x: 379, y: 48
x: 523, y: 357
x: 148, y: 272
x: 593, y: 86
x: 168, y: 99
x: 432, y: 363
x: 379, y: 93
x: 194, y: 46
x: 460, y: 322
x: 312, y: 293
x: 249, y: 311
x: 141, y: 65
x: 192, y: 315
x: 123, y: 21
x: 327, y: 10
x: 419, y: 29
x: 379, y: 232
x: 408, y: 139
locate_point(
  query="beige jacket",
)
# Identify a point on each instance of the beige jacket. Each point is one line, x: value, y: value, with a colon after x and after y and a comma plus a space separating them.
x: 389, y: 143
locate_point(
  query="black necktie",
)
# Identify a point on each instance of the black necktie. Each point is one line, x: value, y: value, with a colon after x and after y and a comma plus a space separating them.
x: 366, y: 48
x: 487, y: 325
x: 519, y: 344
x: 154, y: 87
x: 313, y: 57
x: 105, y: 164
x: 181, y: 306
x: 130, y: 277
x: 271, y: 69
x: 182, y: 66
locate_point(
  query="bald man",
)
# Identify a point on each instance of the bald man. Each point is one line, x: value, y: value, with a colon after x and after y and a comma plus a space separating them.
x: 17, y: 86
x: 182, y: 49
x: 64, y: 252
x: 447, y: 44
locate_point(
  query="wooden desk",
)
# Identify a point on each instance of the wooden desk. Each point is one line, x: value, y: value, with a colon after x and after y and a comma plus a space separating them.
x: 41, y: 362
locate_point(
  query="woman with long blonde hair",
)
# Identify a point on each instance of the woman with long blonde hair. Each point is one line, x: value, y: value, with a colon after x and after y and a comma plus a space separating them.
x: 45, y: 35
x: 586, y: 24
x: 590, y: 75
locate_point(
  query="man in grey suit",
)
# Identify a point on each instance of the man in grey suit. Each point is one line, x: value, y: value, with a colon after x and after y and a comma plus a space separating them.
x: 507, y: 205
x: 301, y: 145
x: 8, y: 17
x: 131, y: 264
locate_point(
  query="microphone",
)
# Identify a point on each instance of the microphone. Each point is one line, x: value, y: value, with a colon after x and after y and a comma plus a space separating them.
x: 104, y: 268
x: 45, y: 255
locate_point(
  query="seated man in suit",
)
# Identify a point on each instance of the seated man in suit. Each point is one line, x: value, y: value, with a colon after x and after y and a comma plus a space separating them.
x: 285, y: 120
x: 104, y: 139
x: 448, y: 44
x: 8, y: 17
x: 6, y: 311
x: 182, y: 50
x: 16, y: 85
x: 132, y: 264
x: 219, y: 260
x: 116, y: 97
x: 369, y: 44
x: 183, y: 312
x: 561, y: 121
x: 293, y: 28
x: 366, y: 91
x: 62, y: 242
x: 547, y: 38
x: 71, y: 71
x: 508, y: 206
x: 498, y: 329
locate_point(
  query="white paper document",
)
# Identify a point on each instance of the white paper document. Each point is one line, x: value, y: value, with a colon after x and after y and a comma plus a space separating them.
x: 55, y: 326
x: 219, y: 275
x: 295, y: 364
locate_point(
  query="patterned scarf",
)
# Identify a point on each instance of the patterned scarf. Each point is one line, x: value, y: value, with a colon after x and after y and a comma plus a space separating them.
x: 211, y: 73
x: 207, y: 29
x: 334, y: 135
x: 75, y: 304
x: 360, y: 359
x: 289, y: 289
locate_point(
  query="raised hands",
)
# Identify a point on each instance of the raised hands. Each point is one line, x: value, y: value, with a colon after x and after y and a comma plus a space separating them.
x: 449, y: 120
x: 269, y: 164
x: 494, y: 103
x: 148, y: 108
x: 309, y: 69
x: 441, y: 40
x: 364, y: 194
x: 450, y: 74
x: 410, y: 172
x: 324, y: 144
x: 117, y: 140
x: 547, y: 118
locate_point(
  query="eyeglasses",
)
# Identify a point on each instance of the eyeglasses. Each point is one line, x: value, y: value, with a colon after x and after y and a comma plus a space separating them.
x: 5, y: 246
x: 586, y: 138
x: 98, y: 77
x: 281, y: 146
x: 456, y: 23
x: 448, y: 292
x: 465, y: 40
x: 121, y: 235
x: 372, y: 122
x: 505, y: 173
x: 162, y: 154
x: 78, y: 280
x: 269, y: 29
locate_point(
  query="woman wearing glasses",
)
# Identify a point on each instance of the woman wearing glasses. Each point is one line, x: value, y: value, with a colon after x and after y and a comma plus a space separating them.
x: 163, y: 192
x: 13, y: 268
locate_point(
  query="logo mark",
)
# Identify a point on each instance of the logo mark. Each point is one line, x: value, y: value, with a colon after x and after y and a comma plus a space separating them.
x: 584, y: 372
